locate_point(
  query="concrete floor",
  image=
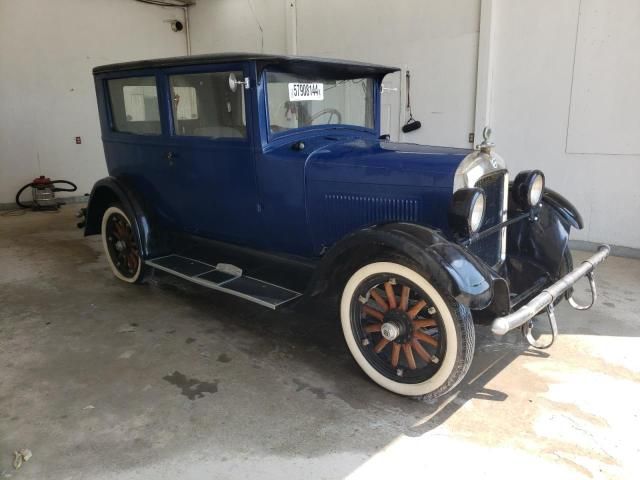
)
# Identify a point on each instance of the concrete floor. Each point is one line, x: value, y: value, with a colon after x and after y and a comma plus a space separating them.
x: 105, y: 380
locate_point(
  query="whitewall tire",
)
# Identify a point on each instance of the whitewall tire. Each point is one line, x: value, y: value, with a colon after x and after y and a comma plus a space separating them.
x: 120, y: 246
x: 405, y: 334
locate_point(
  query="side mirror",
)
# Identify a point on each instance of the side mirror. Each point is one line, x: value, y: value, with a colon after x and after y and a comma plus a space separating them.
x: 234, y: 82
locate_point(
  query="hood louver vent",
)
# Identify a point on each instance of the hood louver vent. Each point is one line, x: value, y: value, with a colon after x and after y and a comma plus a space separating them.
x: 346, y: 212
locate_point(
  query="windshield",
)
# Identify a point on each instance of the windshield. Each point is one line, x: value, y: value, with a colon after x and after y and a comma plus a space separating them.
x: 297, y: 101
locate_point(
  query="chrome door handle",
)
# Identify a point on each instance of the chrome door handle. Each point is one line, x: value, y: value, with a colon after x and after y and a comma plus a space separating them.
x: 171, y: 156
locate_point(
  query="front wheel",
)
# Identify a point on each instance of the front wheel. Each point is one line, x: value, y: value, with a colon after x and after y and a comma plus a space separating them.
x: 121, y: 246
x: 406, y: 335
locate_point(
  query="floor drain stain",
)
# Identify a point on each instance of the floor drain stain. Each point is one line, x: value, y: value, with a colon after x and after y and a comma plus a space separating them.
x: 190, y: 387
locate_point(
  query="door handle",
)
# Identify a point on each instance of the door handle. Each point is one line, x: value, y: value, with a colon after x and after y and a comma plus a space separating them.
x: 171, y: 156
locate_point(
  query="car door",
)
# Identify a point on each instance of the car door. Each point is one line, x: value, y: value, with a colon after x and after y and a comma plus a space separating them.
x: 134, y: 138
x: 209, y: 154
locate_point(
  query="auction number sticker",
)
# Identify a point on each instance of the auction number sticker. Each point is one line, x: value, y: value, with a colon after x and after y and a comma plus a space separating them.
x: 306, y: 91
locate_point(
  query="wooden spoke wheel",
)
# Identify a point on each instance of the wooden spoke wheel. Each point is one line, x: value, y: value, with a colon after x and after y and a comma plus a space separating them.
x: 399, y: 327
x: 121, y: 246
x: 405, y: 334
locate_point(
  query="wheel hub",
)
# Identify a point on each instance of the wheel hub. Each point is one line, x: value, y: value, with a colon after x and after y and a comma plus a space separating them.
x: 390, y: 331
x: 396, y: 326
x: 120, y: 245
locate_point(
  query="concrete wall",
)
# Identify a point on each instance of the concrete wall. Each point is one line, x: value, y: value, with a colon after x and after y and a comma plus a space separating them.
x: 558, y: 89
x: 436, y: 40
x: 238, y: 26
x: 47, y: 51
x: 564, y: 99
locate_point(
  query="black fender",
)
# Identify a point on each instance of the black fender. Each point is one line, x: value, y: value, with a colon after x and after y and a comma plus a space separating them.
x: 110, y: 190
x: 563, y: 207
x: 535, y: 245
x: 442, y: 262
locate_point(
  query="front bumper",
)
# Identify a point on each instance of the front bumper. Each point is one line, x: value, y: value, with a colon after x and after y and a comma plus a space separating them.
x: 546, y: 298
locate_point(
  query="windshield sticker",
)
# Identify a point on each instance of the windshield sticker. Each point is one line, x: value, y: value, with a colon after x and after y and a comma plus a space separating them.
x: 306, y: 91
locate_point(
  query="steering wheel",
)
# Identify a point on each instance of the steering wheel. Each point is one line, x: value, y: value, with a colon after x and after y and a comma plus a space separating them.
x: 327, y: 111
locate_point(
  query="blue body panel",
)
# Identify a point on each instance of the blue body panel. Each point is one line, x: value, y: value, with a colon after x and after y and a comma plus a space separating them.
x: 362, y: 182
x: 333, y: 194
x: 343, y: 181
x: 260, y: 192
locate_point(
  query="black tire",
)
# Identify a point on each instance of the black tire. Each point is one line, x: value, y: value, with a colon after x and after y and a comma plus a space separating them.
x: 451, y: 326
x: 121, y: 246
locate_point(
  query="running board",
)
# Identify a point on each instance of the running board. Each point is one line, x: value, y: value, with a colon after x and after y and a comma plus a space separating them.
x: 225, y: 278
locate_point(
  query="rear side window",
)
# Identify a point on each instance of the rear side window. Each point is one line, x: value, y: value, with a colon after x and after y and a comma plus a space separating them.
x: 204, y: 105
x: 134, y: 105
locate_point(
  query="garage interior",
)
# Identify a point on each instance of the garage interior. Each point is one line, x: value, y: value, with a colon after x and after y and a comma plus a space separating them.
x: 100, y: 379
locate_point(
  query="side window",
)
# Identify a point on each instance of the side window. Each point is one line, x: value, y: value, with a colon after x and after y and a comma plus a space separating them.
x: 205, y: 106
x: 134, y: 105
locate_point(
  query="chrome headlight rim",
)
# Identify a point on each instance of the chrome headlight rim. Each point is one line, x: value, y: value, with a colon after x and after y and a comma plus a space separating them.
x: 477, y: 211
x: 536, y: 189
x: 528, y: 188
x: 467, y: 210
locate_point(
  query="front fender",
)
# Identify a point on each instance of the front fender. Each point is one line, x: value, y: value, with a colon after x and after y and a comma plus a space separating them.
x: 444, y: 263
x: 563, y: 207
x: 111, y: 190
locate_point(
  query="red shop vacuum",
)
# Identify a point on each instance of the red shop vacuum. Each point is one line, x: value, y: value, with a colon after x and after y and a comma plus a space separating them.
x: 43, y: 193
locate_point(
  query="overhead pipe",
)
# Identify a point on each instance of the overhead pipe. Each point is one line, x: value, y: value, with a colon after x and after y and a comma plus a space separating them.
x: 185, y: 9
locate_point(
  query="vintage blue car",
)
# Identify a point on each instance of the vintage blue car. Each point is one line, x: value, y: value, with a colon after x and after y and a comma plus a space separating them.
x: 266, y: 177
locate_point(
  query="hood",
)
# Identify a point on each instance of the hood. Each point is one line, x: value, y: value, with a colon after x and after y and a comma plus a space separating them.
x: 358, y: 182
x: 371, y: 161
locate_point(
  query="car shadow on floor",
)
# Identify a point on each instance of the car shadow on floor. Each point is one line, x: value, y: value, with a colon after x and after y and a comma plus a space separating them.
x: 312, y: 330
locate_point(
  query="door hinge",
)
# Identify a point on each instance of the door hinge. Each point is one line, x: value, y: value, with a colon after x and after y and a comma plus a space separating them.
x: 472, y: 137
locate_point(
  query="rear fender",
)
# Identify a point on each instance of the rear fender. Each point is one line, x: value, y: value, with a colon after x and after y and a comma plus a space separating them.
x: 111, y: 190
x: 444, y: 263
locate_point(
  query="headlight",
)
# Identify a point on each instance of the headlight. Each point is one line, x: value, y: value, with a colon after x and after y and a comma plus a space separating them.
x: 467, y: 210
x: 528, y: 188
x: 477, y: 213
x: 535, y: 192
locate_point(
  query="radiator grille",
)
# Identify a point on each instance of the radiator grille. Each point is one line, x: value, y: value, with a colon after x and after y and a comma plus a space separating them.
x: 489, y: 249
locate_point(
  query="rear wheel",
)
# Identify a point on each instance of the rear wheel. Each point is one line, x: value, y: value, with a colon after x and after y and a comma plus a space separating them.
x: 407, y: 335
x: 121, y: 246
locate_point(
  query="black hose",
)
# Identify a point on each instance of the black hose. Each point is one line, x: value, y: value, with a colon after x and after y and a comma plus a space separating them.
x: 72, y: 189
x: 20, y: 204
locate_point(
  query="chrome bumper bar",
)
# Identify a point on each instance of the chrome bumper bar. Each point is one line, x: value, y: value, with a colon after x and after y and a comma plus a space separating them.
x: 545, y: 299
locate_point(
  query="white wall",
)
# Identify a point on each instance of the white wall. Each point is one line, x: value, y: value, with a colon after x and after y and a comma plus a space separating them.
x: 49, y: 48
x: 578, y: 122
x: 436, y: 40
x: 256, y: 26
x: 562, y: 80
x: 47, y: 51
x: 570, y: 112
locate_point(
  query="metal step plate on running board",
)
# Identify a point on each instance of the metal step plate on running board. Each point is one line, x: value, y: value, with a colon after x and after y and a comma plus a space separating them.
x: 225, y: 278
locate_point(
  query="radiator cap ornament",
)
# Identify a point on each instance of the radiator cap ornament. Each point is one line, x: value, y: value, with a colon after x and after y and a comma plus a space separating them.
x: 486, y: 145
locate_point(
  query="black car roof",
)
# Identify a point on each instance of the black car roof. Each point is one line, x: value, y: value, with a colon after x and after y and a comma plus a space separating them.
x: 309, y: 65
